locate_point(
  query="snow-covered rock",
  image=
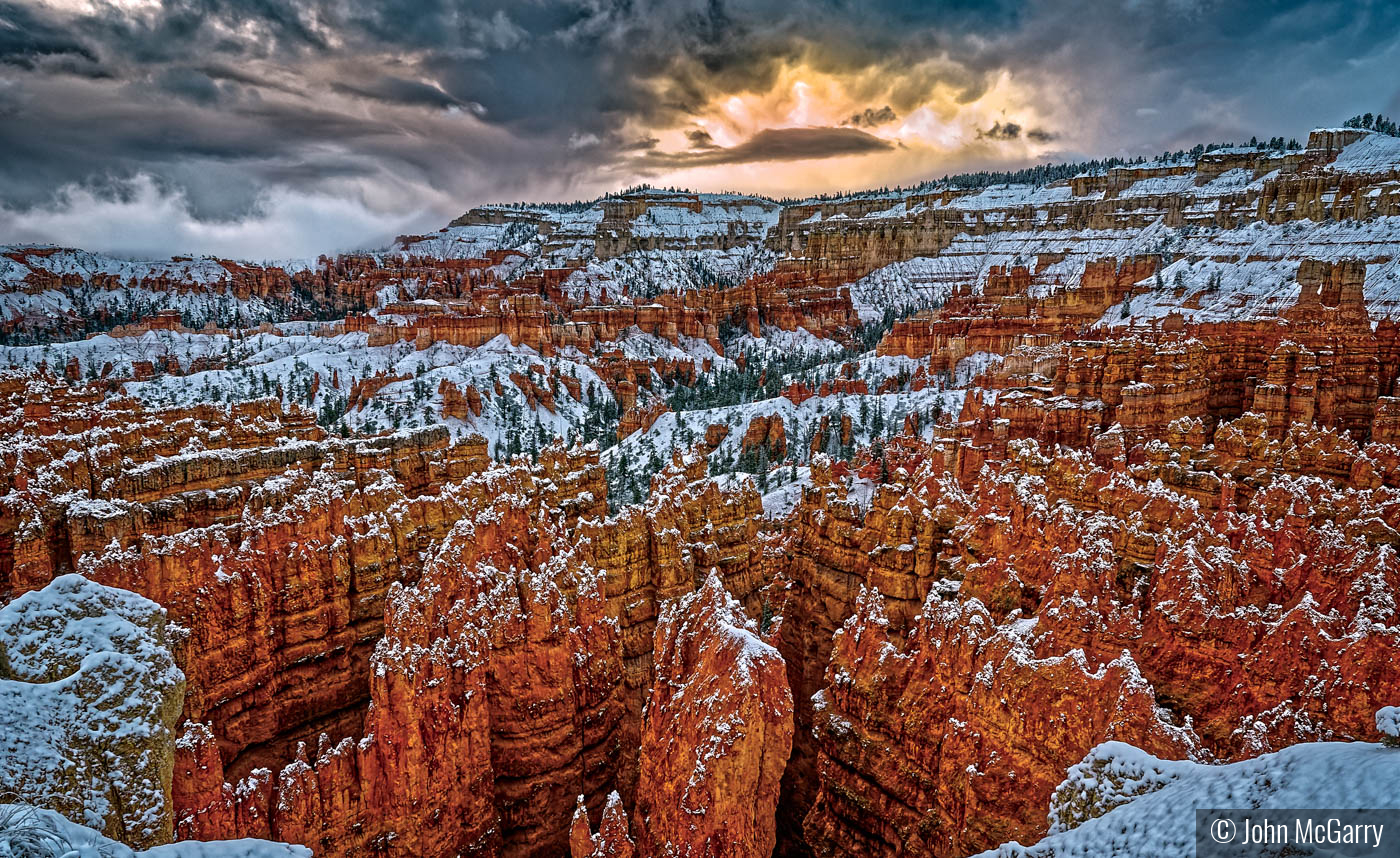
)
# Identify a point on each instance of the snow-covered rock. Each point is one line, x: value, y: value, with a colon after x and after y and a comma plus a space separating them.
x: 32, y: 832
x: 1125, y: 802
x: 1388, y: 723
x: 89, y: 697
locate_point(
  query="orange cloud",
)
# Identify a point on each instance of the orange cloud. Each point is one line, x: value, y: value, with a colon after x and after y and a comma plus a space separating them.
x: 812, y: 130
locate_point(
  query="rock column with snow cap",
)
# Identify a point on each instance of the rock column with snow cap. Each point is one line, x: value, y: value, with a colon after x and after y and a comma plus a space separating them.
x: 613, y: 839
x: 717, y: 732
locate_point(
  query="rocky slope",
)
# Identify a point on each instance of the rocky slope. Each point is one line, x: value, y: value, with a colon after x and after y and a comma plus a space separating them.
x: 718, y: 731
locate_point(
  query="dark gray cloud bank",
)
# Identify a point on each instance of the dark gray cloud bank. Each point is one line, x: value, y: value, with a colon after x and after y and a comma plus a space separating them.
x: 266, y: 128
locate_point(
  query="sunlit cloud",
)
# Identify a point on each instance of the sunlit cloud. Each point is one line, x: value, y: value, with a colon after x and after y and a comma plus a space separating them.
x: 846, y: 122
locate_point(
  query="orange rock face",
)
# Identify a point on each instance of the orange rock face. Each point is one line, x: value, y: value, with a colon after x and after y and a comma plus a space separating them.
x: 445, y: 665
x: 717, y: 733
x: 989, y: 717
x: 497, y: 626
x: 497, y: 695
x: 766, y: 433
x: 989, y: 626
x: 613, y: 839
x: 640, y: 418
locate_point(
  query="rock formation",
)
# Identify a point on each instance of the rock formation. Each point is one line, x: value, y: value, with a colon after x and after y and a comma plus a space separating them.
x: 612, y: 840
x: 717, y: 732
x: 89, y: 698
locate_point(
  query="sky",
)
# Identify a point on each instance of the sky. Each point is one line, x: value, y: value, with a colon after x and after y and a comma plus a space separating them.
x: 276, y: 129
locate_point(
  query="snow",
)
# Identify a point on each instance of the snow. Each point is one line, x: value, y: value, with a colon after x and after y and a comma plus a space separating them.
x: 1125, y: 802
x: 114, y: 285
x: 1388, y: 721
x: 93, y: 699
x: 903, y: 287
x: 749, y: 215
x: 1373, y: 153
x: 974, y: 365
x: 265, y: 363
x: 1252, y: 272
x: 799, y: 421
x: 81, y: 263
x: 636, y: 343
x: 244, y: 848
x: 775, y: 342
x: 780, y: 502
x: 638, y: 276
x: 721, y: 244
x: 33, y: 832
x: 1008, y: 196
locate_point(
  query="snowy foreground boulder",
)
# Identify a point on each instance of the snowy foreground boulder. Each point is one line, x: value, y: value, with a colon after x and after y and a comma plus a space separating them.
x: 89, y: 697
x: 1388, y: 723
x: 1123, y: 801
x: 30, y: 832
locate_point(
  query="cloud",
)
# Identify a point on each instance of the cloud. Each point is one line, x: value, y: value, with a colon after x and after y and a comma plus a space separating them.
x: 1014, y: 131
x: 641, y: 144
x: 773, y: 144
x: 1001, y: 131
x: 430, y: 106
x: 150, y: 221
x: 402, y: 91
x: 583, y: 141
x: 700, y: 139
x: 27, y: 37
x: 1011, y: 130
x: 871, y: 117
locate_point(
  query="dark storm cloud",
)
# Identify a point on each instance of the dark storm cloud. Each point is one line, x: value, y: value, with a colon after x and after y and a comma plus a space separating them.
x: 870, y: 117
x: 26, y: 37
x: 700, y: 139
x: 397, y: 105
x: 773, y: 144
x: 1001, y: 131
x: 246, y: 85
x: 397, y: 90
x: 190, y: 84
x: 640, y: 145
x: 1171, y: 74
x: 1013, y: 131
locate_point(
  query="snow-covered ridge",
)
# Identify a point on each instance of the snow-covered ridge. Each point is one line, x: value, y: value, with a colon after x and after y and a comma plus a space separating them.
x: 17, y: 261
x: 653, y: 241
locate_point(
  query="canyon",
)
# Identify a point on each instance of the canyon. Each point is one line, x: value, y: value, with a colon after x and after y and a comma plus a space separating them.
x: 704, y: 525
